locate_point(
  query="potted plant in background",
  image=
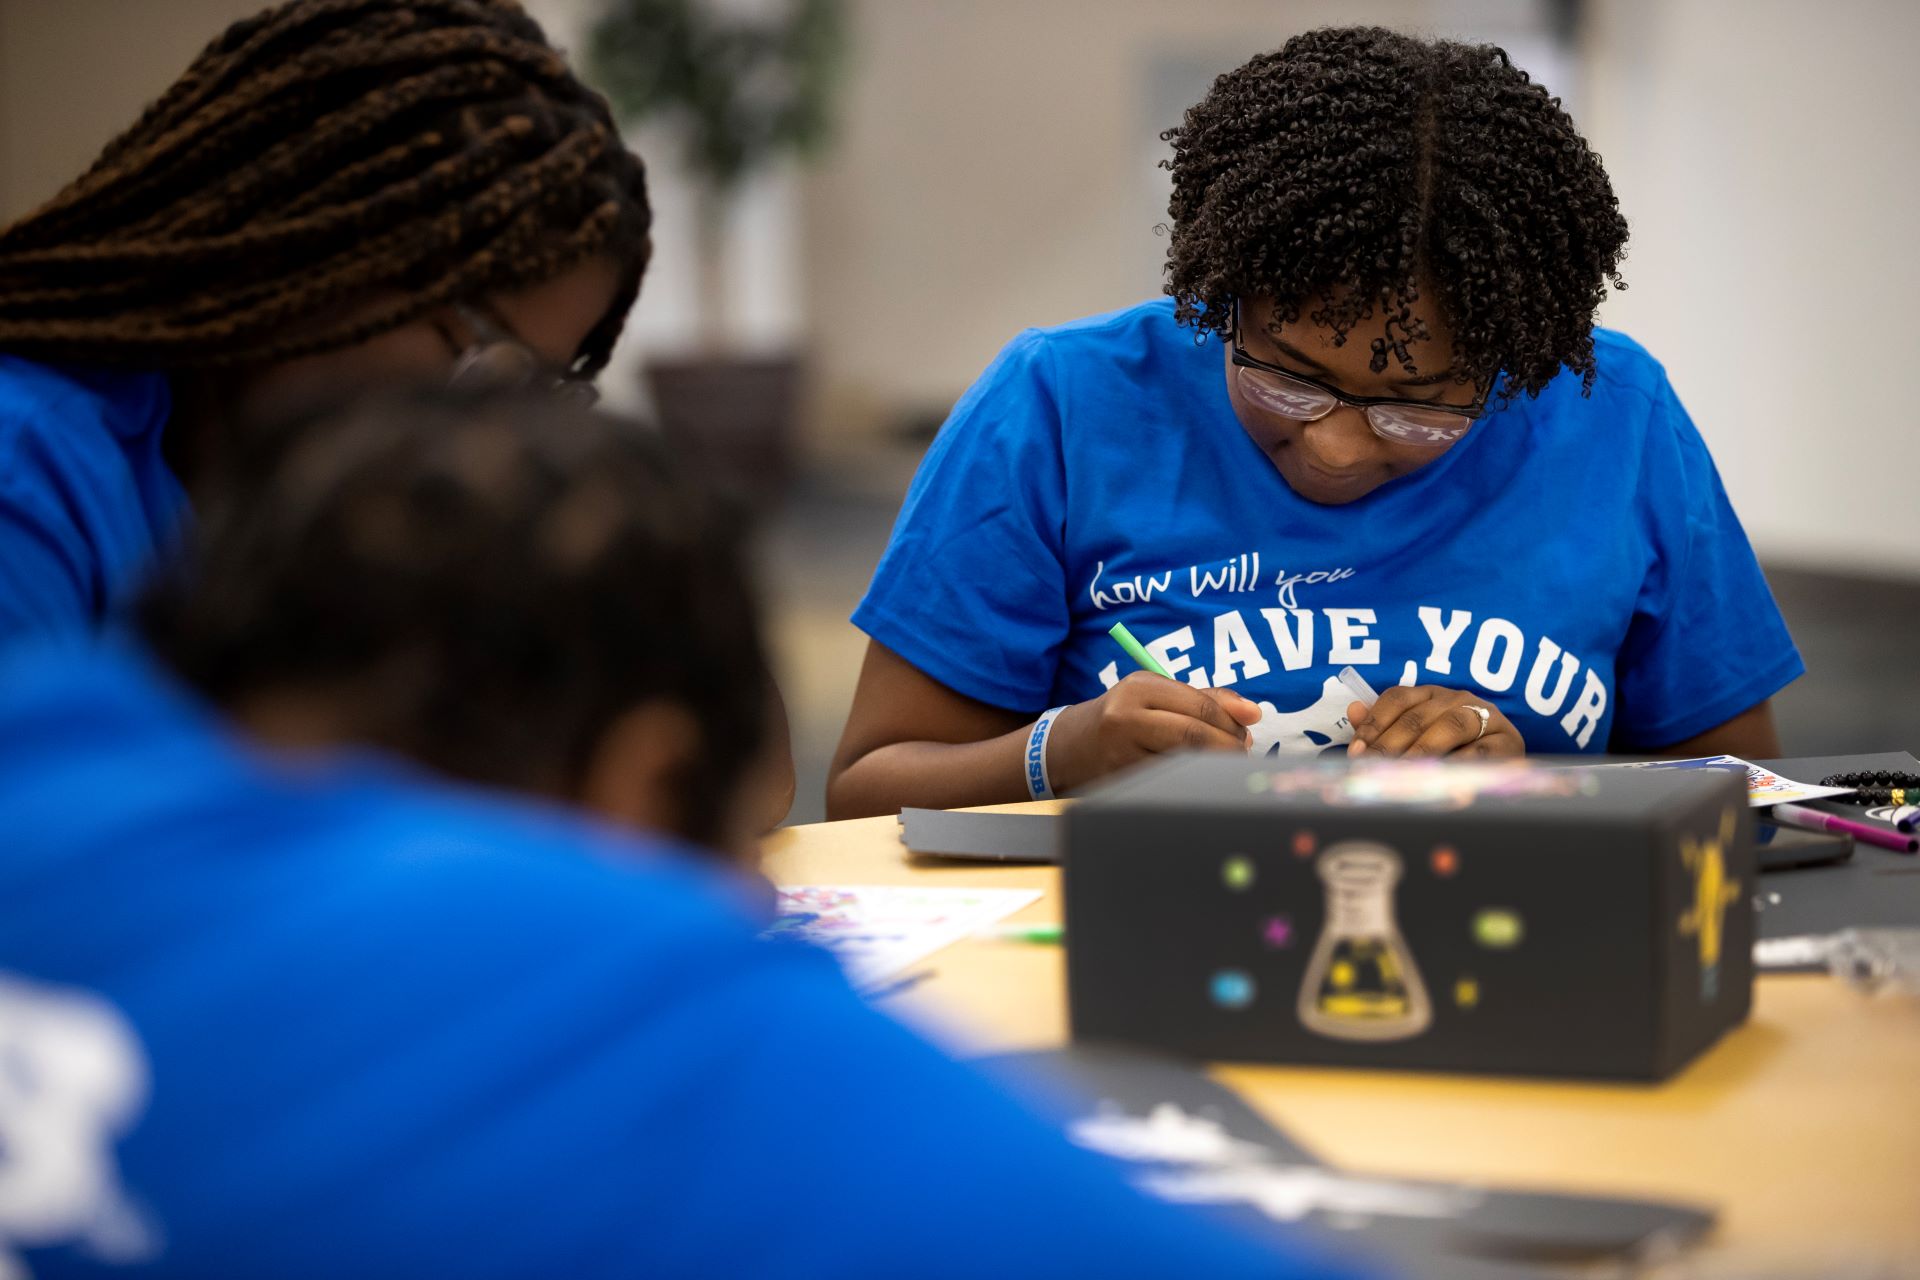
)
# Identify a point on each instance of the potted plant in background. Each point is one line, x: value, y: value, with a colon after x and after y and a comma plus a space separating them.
x: 744, y: 86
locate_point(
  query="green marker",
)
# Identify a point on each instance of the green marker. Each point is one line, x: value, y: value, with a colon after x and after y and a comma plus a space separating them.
x: 1136, y: 650
x: 1043, y: 934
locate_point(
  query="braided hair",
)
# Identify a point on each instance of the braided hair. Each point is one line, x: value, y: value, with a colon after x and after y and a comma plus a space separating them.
x: 1356, y: 165
x: 318, y: 153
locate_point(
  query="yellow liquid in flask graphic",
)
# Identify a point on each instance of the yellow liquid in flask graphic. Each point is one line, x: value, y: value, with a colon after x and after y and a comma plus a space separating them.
x: 1362, y: 983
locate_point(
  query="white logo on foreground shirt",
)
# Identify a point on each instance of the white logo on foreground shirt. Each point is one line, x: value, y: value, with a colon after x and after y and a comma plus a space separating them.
x: 72, y: 1077
x: 1210, y: 1166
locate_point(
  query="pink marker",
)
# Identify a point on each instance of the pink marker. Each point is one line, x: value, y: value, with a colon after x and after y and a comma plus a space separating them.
x: 1793, y: 815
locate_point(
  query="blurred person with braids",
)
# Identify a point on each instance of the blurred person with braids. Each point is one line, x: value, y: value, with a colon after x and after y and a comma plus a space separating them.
x: 304, y: 1000
x: 336, y: 195
x: 1373, y: 427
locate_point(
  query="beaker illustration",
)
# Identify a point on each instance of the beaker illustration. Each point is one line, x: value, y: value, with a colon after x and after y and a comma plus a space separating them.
x: 1362, y: 983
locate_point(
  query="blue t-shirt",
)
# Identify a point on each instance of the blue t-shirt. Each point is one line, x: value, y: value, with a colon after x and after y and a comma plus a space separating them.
x: 1573, y: 561
x: 336, y: 1019
x: 86, y: 500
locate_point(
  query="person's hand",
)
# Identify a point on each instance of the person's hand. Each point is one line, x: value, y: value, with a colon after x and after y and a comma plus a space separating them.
x: 1142, y: 716
x: 1427, y: 720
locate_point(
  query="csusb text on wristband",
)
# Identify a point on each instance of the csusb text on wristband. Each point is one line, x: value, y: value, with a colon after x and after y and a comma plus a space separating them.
x: 1039, y: 786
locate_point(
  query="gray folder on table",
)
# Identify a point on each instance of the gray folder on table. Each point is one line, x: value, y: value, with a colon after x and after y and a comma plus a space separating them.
x: 989, y: 837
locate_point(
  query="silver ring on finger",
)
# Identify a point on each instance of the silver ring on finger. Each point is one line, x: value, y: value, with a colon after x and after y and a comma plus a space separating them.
x: 1485, y: 716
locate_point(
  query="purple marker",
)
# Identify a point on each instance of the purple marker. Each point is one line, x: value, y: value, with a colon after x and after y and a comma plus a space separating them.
x: 1793, y: 815
x: 1906, y: 817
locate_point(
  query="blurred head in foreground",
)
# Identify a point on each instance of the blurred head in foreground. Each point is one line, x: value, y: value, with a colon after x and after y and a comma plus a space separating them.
x: 508, y: 588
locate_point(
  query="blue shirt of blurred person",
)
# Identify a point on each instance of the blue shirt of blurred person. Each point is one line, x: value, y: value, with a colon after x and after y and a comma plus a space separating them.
x: 86, y: 499
x: 337, y: 1019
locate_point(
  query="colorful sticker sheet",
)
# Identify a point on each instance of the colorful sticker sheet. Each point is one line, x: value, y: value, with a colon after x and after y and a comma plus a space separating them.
x: 876, y: 930
x: 1764, y: 787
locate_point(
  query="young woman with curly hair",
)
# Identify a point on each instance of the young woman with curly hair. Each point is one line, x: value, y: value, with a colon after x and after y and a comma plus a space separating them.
x: 1373, y: 427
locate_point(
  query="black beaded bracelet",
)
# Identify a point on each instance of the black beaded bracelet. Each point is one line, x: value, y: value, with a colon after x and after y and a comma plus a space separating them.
x: 1876, y: 786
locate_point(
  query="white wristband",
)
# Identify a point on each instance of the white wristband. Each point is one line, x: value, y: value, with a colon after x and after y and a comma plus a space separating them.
x: 1039, y: 786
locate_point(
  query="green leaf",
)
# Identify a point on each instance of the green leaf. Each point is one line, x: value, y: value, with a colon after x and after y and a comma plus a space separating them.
x: 742, y: 93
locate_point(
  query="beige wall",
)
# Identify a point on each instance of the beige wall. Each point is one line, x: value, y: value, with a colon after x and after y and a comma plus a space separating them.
x: 73, y: 73
x: 1764, y: 152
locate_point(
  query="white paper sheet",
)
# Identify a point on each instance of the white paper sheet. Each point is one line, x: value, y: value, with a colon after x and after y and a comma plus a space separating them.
x: 876, y: 930
x: 1764, y: 787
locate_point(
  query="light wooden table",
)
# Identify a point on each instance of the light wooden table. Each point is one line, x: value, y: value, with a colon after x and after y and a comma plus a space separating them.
x: 1803, y: 1126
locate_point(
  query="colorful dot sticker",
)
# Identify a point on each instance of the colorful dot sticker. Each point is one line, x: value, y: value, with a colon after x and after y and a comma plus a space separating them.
x: 1497, y: 928
x: 1445, y: 860
x: 1232, y: 989
x: 1466, y: 993
x: 1277, y: 932
x: 1258, y: 782
x: 1237, y: 872
x: 1304, y: 844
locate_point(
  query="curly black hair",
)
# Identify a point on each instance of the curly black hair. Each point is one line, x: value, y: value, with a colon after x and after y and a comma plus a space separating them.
x: 481, y: 582
x: 1357, y: 165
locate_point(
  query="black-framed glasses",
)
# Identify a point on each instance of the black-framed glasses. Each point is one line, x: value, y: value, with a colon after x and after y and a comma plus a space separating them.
x: 1303, y: 399
x: 495, y: 357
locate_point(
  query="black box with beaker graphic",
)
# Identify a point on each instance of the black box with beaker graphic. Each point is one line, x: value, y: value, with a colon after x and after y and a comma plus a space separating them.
x: 1511, y: 918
